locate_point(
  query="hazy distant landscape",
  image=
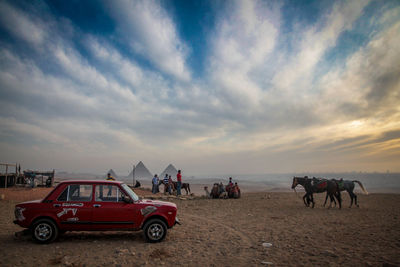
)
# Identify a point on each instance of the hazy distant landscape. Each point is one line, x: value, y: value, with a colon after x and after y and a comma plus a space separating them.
x: 374, y: 182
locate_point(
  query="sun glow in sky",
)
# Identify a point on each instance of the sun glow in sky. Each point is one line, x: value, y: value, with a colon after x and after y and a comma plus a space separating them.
x: 213, y: 87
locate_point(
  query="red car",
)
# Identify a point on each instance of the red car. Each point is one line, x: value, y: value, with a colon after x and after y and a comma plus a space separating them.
x: 94, y: 206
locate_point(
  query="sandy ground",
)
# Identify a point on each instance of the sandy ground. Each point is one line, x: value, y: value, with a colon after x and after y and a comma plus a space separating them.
x: 226, y: 233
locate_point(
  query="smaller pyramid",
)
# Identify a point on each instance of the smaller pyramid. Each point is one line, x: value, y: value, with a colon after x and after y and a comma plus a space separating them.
x: 112, y: 173
x: 170, y: 170
x: 141, y: 172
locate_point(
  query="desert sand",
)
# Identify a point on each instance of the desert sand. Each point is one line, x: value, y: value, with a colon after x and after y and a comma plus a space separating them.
x: 223, y: 232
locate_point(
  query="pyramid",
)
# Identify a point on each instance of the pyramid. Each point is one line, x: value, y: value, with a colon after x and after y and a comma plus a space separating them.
x: 113, y: 174
x: 141, y: 172
x: 170, y: 170
x: 131, y: 176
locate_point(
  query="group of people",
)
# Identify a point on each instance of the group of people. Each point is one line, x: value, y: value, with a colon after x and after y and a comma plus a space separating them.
x: 233, y: 189
x: 169, y: 185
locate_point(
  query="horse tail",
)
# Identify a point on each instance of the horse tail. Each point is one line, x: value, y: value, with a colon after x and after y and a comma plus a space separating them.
x: 362, y: 187
x: 188, y: 186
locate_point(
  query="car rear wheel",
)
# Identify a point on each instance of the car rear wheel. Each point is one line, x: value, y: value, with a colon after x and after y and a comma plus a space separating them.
x: 44, y: 231
x: 155, y: 230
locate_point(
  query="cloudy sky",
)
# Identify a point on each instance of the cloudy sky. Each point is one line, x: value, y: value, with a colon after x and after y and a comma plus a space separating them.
x: 213, y: 87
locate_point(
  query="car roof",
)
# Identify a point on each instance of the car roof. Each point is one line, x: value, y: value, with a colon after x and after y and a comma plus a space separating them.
x: 91, y: 182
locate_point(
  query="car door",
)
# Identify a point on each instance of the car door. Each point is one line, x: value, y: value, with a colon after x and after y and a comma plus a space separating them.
x: 110, y: 211
x: 73, y: 207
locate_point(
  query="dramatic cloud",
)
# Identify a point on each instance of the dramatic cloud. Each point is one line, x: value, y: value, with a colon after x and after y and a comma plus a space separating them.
x: 243, y: 41
x: 152, y: 34
x: 276, y: 92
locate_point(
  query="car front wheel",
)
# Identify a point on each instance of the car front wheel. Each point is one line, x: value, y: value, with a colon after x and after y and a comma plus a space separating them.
x: 44, y: 231
x: 155, y: 230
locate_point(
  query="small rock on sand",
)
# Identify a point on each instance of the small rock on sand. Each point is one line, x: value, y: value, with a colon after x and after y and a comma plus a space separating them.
x: 267, y: 263
x: 267, y: 245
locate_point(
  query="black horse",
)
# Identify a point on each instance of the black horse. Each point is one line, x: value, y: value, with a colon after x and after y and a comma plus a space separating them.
x: 349, y: 187
x: 315, y: 185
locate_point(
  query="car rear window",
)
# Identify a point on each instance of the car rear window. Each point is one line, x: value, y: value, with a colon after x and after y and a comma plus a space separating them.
x: 109, y: 193
x: 76, y: 192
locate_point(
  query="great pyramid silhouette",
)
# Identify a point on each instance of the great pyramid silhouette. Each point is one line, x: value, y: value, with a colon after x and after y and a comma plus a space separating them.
x: 141, y: 172
x: 170, y: 170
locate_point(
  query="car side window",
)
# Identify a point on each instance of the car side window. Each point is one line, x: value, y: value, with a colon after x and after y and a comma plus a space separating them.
x: 109, y: 193
x: 76, y: 192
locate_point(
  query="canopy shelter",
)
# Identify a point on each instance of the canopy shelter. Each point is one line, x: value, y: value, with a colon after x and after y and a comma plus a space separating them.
x: 43, y: 178
x: 7, y: 176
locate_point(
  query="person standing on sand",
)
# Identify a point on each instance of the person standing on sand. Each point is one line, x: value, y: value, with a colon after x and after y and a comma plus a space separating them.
x: 221, y: 188
x: 179, y: 183
x: 170, y: 185
x: 165, y: 182
x: 109, y: 177
x: 155, y: 182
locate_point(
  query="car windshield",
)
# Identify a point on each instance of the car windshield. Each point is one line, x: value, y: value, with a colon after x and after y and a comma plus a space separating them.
x: 129, y: 191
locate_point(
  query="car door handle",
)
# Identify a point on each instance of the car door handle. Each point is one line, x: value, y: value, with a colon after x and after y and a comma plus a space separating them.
x: 57, y: 205
x: 97, y: 205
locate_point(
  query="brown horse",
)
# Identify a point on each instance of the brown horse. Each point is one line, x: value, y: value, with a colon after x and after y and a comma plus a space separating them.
x: 185, y: 186
x: 318, y: 185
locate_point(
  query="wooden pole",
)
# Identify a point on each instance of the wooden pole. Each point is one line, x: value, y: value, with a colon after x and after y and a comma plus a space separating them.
x: 5, y: 180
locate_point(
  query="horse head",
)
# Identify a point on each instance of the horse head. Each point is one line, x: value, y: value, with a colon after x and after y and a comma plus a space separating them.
x: 295, y: 182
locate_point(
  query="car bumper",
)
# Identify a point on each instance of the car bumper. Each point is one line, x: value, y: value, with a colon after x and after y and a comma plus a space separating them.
x: 177, y: 221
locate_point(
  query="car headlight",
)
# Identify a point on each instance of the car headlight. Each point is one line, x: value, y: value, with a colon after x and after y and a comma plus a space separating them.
x: 19, y: 213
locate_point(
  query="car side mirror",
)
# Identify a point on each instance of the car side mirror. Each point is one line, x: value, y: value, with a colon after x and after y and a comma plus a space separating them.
x: 127, y: 199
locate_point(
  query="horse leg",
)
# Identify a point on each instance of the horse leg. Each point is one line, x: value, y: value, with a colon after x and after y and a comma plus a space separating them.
x: 339, y: 198
x: 333, y: 200
x: 351, y: 199
x: 326, y: 198
x: 355, y: 199
x: 312, y: 200
x: 330, y: 197
x: 304, y: 200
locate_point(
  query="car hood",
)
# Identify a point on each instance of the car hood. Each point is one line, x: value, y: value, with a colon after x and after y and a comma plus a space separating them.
x: 30, y: 202
x: 157, y: 203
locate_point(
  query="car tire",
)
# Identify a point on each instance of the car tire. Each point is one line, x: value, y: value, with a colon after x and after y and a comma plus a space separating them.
x: 44, y: 231
x: 155, y: 230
